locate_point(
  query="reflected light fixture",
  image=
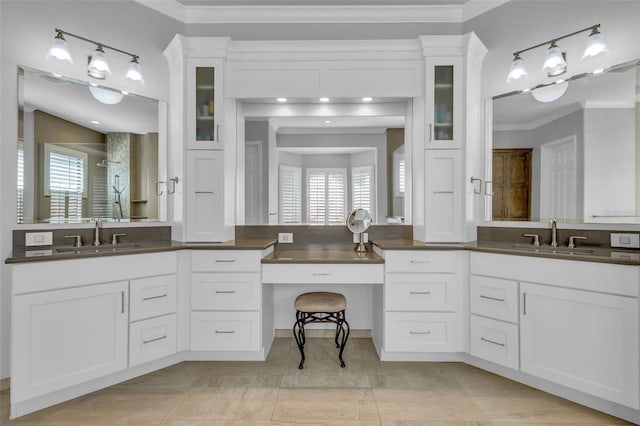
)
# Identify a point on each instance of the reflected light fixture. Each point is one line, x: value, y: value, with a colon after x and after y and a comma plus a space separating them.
x: 106, y: 96
x: 555, y: 63
x: 551, y: 92
x: 98, y: 66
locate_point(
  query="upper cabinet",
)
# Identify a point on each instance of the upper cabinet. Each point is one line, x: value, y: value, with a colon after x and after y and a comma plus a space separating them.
x: 204, y: 103
x: 444, y: 102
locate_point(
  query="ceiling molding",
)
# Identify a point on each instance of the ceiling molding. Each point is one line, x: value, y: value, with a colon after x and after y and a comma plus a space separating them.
x: 407, y: 13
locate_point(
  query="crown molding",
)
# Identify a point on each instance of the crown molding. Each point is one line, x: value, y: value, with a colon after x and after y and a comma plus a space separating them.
x: 218, y: 14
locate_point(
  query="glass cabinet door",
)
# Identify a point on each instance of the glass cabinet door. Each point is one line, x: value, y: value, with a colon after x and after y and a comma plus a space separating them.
x: 204, y: 104
x: 444, y: 102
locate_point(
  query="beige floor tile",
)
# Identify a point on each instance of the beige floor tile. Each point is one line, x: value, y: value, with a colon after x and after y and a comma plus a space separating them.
x: 328, y: 423
x: 325, y: 405
x: 427, y: 405
x: 237, y: 403
x: 435, y: 423
x: 346, y: 380
x: 215, y: 423
x: 538, y: 407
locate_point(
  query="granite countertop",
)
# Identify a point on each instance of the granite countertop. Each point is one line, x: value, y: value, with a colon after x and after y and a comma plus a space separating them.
x: 399, y: 244
x: 33, y: 254
x: 322, y: 255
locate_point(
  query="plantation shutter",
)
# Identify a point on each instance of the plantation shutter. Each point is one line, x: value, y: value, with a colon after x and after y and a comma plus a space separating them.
x: 362, y: 188
x: 290, y: 194
x: 326, y: 196
x: 65, y: 182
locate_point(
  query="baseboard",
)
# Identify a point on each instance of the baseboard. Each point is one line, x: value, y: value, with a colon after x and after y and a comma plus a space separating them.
x: 5, y: 384
x: 325, y: 333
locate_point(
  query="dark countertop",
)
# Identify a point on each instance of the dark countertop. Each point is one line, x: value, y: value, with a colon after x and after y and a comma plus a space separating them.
x: 34, y: 254
x: 322, y: 255
x: 398, y: 244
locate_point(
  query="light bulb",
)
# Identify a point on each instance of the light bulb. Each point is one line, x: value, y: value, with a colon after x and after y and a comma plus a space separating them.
x: 134, y: 72
x: 98, y: 66
x: 554, y: 63
x: 59, y: 51
x: 517, y: 69
x: 595, y: 45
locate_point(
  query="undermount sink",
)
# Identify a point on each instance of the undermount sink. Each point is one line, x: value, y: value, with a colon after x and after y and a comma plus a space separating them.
x: 106, y: 247
x: 548, y: 249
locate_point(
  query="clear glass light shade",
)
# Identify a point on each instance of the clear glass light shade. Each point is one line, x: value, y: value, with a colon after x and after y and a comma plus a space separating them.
x: 595, y: 46
x: 550, y: 93
x: 59, y: 51
x: 134, y: 72
x: 517, y: 70
x: 98, y: 66
x: 554, y: 63
x: 106, y: 96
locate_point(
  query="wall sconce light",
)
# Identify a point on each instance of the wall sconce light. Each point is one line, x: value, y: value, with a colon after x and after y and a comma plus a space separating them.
x: 98, y: 67
x: 555, y: 63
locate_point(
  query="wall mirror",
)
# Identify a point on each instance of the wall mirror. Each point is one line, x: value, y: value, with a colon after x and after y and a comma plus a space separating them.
x: 85, y: 151
x: 576, y: 159
x: 313, y: 164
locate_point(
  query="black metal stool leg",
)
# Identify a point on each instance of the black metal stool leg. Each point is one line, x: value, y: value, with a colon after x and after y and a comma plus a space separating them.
x: 345, y: 335
x: 298, y: 334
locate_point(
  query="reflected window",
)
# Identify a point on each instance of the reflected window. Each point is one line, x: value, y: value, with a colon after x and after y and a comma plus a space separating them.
x: 326, y: 196
x: 399, y: 174
x: 362, y: 188
x: 65, y: 181
x: 20, y: 195
x: 290, y: 194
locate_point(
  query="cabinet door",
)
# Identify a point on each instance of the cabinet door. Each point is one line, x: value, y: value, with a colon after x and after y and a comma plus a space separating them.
x: 584, y: 340
x: 443, y: 195
x: 205, y: 204
x: 444, y: 102
x: 68, y: 337
x: 204, y: 103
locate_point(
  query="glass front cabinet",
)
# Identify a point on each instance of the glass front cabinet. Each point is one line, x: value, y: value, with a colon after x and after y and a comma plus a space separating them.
x: 444, y: 102
x: 204, y: 103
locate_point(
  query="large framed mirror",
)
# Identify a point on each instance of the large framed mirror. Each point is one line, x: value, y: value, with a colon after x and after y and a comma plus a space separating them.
x: 86, y: 151
x: 575, y: 158
x: 312, y: 164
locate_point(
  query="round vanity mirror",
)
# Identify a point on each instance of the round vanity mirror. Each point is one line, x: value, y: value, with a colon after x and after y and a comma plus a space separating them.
x: 358, y: 221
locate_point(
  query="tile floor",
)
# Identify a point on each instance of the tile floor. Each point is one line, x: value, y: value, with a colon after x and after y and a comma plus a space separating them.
x: 275, y: 392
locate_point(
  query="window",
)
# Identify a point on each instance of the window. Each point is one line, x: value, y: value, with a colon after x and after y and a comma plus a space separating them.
x: 290, y: 202
x: 326, y: 196
x: 65, y: 181
x: 362, y: 188
x: 20, y: 196
x: 398, y: 174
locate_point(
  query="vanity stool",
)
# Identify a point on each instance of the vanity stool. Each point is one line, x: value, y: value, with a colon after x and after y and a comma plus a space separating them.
x: 317, y: 307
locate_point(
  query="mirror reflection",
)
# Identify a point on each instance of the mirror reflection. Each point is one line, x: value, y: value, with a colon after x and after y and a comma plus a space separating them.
x: 576, y: 158
x: 84, y: 152
x: 315, y: 170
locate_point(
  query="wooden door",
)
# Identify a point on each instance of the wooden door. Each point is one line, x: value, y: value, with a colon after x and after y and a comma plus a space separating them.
x: 512, y: 184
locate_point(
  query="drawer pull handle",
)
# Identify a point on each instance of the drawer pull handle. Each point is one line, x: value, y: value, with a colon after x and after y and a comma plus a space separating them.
x: 420, y: 261
x: 419, y: 332
x: 492, y: 342
x: 154, y: 340
x: 225, y: 331
x: 122, y: 301
x: 320, y: 274
x: 225, y: 291
x: 420, y: 292
x: 443, y: 192
x: 491, y: 298
x: 204, y: 192
x: 225, y: 260
x: 154, y: 297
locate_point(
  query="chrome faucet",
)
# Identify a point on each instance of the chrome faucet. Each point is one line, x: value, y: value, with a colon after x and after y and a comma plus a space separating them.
x: 554, y: 233
x: 96, y: 237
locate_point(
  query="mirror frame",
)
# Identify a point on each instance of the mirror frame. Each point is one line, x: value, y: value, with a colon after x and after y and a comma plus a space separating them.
x: 163, y: 201
x: 488, y: 168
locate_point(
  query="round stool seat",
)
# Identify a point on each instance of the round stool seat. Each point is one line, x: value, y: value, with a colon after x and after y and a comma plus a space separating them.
x: 320, y: 301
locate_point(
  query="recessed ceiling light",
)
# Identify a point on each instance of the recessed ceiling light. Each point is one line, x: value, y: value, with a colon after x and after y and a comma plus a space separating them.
x: 281, y: 99
x: 367, y: 99
x: 324, y: 99
x: 95, y: 122
x: 327, y: 121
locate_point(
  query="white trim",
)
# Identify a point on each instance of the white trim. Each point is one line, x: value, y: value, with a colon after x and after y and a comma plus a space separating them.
x: 208, y: 14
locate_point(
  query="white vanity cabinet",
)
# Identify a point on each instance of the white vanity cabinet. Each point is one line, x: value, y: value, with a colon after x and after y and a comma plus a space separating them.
x: 204, y: 188
x: 226, y: 303
x: 443, y: 195
x: 70, y: 324
x: 444, y: 105
x: 421, y: 303
x: 578, y: 321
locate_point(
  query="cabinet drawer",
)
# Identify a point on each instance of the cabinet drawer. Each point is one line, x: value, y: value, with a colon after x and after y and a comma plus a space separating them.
x: 225, y: 261
x: 152, y: 297
x: 420, y: 261
x: 152, y: 339
x: 494, y: 297
x: 227, y: 291
x: 225, y: 331
x: 322, y: 273
x: 420, y: 292
x: 418, y: 332
x: 494, y: 341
